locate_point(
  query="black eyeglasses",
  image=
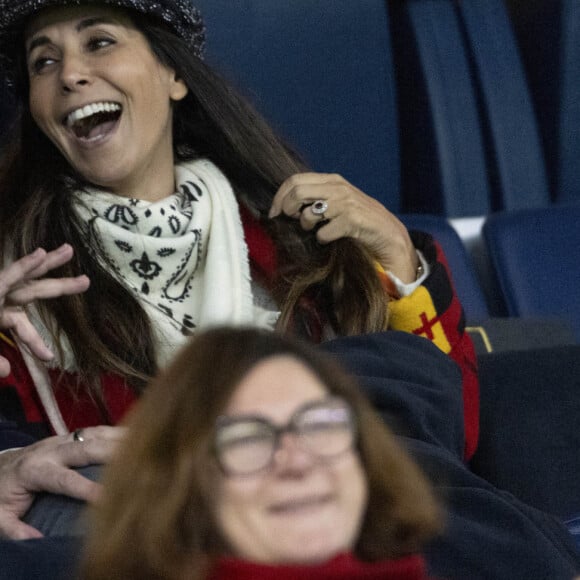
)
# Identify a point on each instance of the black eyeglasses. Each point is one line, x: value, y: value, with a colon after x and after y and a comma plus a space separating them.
x: 246, y: 444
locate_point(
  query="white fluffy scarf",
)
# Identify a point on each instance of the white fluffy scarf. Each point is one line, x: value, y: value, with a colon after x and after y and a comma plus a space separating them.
x: 184, y: 258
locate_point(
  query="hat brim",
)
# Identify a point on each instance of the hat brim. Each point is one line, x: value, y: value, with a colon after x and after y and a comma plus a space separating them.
x: 179, y: 15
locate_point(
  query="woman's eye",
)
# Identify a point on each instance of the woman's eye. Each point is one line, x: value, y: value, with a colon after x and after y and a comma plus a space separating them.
x: 100, y: 42
x: 248, y: 440
x: 41, y: 63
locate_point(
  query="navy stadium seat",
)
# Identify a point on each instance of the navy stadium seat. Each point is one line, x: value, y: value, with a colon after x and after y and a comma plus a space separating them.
x: 518, y: 171
x: 535, y: 254
x: 442, y: 149
x: 462, y: 269
x: 568, y: 162
x: 321, y: 72
x: 549, y: 37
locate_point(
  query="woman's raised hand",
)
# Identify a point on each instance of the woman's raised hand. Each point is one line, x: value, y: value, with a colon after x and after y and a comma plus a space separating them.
x: 347, y: 212
x: 22, y: 283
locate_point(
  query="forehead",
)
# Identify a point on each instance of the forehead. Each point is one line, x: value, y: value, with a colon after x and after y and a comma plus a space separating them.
x: 275, y: 388
x: 71, y: 15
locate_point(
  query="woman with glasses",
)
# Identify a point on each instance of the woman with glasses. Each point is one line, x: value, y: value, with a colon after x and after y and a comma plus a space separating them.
x: 256, y: 457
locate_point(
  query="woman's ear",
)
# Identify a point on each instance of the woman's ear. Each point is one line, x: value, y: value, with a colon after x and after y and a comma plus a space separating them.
x: 178, y: 89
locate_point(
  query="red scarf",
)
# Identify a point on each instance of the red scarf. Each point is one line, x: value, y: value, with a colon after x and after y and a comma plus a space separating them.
x: 343, y: 567
x: 261, y: 248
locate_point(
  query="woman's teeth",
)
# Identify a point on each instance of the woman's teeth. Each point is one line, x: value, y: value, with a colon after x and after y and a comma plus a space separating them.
x: 90, y: 110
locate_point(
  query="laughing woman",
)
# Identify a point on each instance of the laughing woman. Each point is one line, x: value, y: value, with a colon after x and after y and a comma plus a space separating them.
x: 141, y: 199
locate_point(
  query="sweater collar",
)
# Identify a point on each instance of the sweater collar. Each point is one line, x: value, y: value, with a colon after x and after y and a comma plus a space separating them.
x: 342, y: 567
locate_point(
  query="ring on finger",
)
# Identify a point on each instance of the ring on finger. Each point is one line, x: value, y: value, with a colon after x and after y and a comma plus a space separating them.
x: 78, y: 435
x: 319, y: 207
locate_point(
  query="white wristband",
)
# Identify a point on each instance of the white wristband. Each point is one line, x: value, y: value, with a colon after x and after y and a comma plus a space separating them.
x: 423, y: 271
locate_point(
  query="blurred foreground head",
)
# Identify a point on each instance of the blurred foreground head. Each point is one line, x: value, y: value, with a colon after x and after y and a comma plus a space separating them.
x: 255, y: 446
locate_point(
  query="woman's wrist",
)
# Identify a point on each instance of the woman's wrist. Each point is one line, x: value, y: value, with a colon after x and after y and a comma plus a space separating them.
x: 422, y: 271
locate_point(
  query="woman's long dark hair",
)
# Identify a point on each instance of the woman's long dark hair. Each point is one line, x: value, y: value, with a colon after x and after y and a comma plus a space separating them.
x: 107, y: 328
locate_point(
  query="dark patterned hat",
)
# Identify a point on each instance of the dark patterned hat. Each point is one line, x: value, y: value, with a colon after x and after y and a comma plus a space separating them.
x: 180, y: 15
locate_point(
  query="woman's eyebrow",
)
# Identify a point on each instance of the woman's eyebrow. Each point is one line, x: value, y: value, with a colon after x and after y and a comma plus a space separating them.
x: 94, y: 21
x: 82, y: 25
x: 38, y: 41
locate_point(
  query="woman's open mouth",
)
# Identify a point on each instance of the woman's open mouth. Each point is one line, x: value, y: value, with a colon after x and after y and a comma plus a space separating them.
x: 94, y: 121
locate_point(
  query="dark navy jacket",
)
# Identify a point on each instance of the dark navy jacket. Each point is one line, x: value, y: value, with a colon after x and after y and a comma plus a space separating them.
x: 490, y: 535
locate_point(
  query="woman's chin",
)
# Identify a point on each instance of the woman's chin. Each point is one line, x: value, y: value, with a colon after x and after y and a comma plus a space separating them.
x: 310, y: 538
x: 308, y: 551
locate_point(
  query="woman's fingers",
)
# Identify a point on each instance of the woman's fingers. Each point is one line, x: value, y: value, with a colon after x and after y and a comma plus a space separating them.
x: 20, y: 270
x: 13, y: 528
x: 4, y: 367
x: 48, y: 288
x: 13, y: 317
x: 19, y: 281
x: 20, y: 285
x: 53, y: 259
x: 304, y: 189
x: 340, y: 210
x: 46, y: 467
x: 17, y: 321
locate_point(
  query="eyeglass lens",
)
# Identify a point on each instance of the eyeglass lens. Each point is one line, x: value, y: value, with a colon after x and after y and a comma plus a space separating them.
x: 247, y: 444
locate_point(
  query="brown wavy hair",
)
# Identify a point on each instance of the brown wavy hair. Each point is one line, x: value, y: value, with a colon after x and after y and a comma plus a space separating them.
x: 154, y: 519
x: 107, y: 328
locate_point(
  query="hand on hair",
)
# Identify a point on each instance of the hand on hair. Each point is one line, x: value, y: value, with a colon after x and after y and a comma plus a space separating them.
x: 350, y: 213
x: 45, y: 467
x: 21, y: 283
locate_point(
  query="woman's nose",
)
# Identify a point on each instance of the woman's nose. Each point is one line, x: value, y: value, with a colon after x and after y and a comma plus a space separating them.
x: 74, y: 73
x: 291, y: 457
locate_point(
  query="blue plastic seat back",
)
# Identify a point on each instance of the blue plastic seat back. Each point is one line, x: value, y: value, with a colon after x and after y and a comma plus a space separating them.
x: 538, y: 29
x: 535, y: 254
x: 567, y: 188
x: 442, y: 149
x: 322, y: 73
x: 549, y: 38
x: 519, y: 171
x: 462, y: 268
